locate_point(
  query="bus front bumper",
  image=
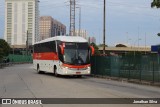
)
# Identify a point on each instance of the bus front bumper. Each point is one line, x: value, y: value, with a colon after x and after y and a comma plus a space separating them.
x: 75, y: 71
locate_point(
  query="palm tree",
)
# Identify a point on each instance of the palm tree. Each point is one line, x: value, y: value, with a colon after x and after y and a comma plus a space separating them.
x: 155, y: 3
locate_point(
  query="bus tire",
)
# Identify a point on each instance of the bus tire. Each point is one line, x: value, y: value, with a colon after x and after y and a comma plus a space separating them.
x: 38, y: 70
x: 55, y: 71
x: 79, y: 76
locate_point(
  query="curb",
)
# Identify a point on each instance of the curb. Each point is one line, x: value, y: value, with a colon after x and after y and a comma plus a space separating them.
x: 2, y: 65
x: 135, y: 81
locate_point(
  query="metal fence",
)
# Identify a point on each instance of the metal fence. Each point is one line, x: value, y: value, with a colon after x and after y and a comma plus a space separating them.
x: 140, y: 67
x: 15, y: 59
x: 20, y: 58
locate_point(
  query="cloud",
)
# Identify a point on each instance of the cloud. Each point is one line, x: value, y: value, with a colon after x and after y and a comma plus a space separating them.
x: 122, y: 16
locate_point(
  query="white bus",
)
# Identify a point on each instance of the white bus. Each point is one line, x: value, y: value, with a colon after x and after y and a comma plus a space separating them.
x: 63, y: 55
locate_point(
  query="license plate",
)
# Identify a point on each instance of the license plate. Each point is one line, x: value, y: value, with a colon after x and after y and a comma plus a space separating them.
x: 78, y: 72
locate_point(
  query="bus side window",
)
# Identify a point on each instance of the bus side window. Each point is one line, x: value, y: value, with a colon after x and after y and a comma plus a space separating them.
x: 52, y: 46
x: 34, y: 48
x: 47, y: 47
x: 38, y: 48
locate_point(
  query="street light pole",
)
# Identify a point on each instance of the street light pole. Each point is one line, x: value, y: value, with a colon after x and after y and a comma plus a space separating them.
x: 145, y: 43
x: 104, y: 27
x: 27, y: 43
x: 135, y: 45
x: 138, y: 38
x: 138, y: 43
x: 127, y: 37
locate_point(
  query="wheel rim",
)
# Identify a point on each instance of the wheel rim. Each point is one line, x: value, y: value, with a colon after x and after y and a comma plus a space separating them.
x: 38, y: 70
x: 55, y: 72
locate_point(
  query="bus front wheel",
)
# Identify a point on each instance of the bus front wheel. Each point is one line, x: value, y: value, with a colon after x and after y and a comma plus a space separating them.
x: 55, y: 71
x: 38, y: 70
x: 79, y: 76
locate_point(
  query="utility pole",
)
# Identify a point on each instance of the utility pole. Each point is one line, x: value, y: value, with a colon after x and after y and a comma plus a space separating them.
x: 104, y: 27
x: 72, y: 17
x: 79, y: 20
x: 145, y: 44
x: 27, y: 43
x: 138, y: 38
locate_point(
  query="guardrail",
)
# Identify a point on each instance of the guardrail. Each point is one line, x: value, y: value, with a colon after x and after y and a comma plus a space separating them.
x: 2, y: 65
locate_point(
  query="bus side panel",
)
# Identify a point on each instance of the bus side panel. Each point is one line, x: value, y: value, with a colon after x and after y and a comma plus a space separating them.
x: 46, y: 65
x: 46, y: 61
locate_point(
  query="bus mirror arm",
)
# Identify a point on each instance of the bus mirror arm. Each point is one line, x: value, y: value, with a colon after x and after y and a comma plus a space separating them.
x: 62, y: 49
x: 92, y: 50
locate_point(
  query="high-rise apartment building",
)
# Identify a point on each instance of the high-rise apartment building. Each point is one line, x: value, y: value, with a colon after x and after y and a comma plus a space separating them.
x: 49, y: 27
x: 45, y: 27
x: 81, y: 33
x: 58, y: 28
x: 92, y: 40
x: 21, y: 16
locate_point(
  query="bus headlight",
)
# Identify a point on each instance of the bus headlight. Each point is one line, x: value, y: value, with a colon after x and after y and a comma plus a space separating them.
x: 89, y: 70
x: 65, y: 69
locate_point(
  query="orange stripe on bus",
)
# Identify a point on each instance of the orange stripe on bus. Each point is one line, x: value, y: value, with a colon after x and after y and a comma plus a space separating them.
x: 76, y: 66
x: 45, y: 56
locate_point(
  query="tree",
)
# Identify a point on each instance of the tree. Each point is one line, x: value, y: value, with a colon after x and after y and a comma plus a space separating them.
x: 101, y: 45
x: 155, y: 3
x: 1, y: 54
x: 120, y: 45
x: 96, y: 48
x: 4, y: 48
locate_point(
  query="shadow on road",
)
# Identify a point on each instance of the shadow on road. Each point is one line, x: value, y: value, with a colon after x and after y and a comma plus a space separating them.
x: 64, y: 76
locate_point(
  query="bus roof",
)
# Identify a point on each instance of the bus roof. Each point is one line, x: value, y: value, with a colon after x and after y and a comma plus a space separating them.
x: 64, y: 38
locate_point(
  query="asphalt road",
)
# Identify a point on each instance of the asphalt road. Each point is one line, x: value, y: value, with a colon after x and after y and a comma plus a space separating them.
x: 21, y: 81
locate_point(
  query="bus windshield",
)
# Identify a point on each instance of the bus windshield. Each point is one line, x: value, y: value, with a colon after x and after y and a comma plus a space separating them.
x: 76, y: 53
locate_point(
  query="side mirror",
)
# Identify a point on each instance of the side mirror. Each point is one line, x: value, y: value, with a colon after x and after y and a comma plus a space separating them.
x: 61, y: 49
x: 93, y: 50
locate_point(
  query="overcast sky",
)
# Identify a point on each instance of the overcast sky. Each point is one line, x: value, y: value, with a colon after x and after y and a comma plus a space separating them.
x: 126, y: 19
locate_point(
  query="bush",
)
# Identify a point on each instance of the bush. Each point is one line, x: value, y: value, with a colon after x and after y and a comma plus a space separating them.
x: 4, y: 48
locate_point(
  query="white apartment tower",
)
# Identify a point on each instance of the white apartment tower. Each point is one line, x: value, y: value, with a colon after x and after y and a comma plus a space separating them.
x: 81, y: 33
x: 21, y: 16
